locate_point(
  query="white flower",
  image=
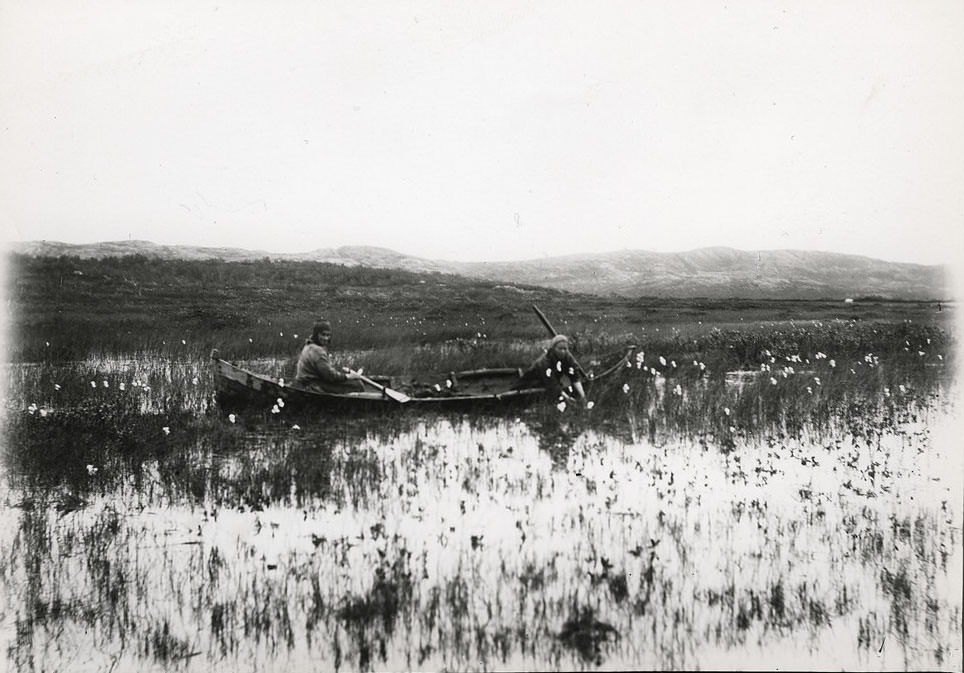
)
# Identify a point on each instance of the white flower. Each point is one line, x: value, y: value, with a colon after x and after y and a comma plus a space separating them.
x: 561, y: 406
x: 166, y: 430
x: 122, y: 386
x: 773, y: 381
x: 43, y: 413
x: 833, y: 363
x: 816, y: 379
x: 194, y: 380
x: 726, y: 411
x: 91, y: 469
x: 232, y: 418
x: 625, y: 387
x: 939, y: 357
x: 702, y: 366
x: 590, y: 404
x: 548, y: 374
x: 438, y: 388
x: 852, y: 371
x: 47, y: 344
x: 662, y: 360
x: 672, y: 364
x: 732, y: 428
x: 250, y: 340
x: 93, y: 384
x: 559, y: 365
x: 448, y: 383
x: 296, y: 427
x: 281, y: 382
x: 280, y: 402
x: 106, y: 384
x: 921, y: 353
x: 886, y: 392
x: 295, y: 336
x: 57, y: 385
x: 903, y: 388
x: 275, y: 409
x: 678, y: 390
x: 32, y: 408
x: 183, y: 342
x: 809, y: 390
x: 281, y: 334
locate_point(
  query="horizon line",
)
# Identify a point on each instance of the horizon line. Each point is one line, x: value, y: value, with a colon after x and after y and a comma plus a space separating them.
x: 502, y: 261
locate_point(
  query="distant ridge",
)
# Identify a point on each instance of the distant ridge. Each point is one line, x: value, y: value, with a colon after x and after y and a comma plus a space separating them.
x: 717, y: 272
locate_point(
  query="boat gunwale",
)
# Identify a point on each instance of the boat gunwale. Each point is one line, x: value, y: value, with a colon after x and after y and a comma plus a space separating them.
x: 240, y: 376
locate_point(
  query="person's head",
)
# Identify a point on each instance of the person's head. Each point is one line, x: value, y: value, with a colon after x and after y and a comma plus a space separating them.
x: 559, y: 346
x: 321, y: 333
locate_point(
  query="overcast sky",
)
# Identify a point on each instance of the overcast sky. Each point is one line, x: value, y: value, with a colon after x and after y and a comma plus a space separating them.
x: 486, y: 131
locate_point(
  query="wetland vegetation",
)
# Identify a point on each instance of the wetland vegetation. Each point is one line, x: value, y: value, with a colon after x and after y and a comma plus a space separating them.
x: 768, y: 484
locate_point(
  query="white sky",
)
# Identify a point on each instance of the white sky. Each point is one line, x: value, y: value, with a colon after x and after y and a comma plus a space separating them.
x: 486, y: 131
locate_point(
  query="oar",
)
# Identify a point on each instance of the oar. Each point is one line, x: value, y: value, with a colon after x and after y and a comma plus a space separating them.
x: 545, y: 320
x: 552, y: 332
x: 395, y: 395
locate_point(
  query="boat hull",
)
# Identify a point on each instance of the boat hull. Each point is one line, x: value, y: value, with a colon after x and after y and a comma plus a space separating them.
x: 484, y: 388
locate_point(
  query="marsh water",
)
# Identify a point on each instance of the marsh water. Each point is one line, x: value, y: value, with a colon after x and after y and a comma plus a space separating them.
x: 544, y: 538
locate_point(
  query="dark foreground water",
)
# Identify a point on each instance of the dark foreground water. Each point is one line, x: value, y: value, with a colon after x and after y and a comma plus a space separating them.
x: 463, y: 543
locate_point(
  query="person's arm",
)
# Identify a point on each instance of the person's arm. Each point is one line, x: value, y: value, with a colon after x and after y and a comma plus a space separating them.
x: 580, y: 393
x: 326, y: 371
x: 536, y: 372
x: 575, y: 376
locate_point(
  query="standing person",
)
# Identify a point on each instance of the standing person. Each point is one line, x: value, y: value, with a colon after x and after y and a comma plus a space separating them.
x: 315, y: 371
x: 548, y: 371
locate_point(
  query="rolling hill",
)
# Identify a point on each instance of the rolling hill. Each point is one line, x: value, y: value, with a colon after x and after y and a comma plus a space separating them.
x: 705, y: 272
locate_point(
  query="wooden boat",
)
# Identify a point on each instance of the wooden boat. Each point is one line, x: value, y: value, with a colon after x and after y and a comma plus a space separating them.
x: 464, y: 389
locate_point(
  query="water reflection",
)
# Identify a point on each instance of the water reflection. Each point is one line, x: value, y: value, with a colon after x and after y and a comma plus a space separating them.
x: 464, y: 543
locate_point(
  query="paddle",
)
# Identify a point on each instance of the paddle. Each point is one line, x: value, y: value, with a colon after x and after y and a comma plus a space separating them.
x: 552, y: 332
x: 394, y: 395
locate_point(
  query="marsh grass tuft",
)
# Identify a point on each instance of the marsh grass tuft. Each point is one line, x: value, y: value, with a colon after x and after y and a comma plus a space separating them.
x: 586, y: 634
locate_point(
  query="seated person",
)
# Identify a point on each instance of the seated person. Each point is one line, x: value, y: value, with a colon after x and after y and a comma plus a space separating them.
x: 548, y: 371
x: 315, y: 371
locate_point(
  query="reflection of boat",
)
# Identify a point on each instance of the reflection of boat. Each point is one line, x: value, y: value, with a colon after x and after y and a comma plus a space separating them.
x: 478, y: 387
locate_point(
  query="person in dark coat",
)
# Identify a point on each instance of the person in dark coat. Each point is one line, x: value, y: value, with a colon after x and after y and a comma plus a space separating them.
x: 555, y: 370
x: 315, y: 371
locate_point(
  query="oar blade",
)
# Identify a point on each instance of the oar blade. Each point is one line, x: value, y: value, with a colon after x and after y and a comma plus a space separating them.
x: 399, y: 397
